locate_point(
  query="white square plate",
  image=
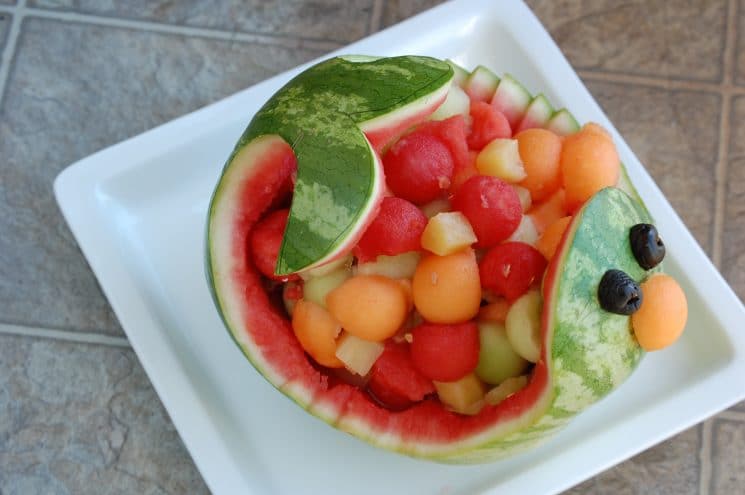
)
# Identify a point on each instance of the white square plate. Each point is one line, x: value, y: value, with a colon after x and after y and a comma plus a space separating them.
x: 138, y: 209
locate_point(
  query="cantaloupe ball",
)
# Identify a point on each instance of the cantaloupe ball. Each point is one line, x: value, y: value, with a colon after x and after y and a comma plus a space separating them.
x: 447, y: 289
x: 662, y: 316
x: 540, y: 151
x: 589, y: 163
x: 551, y: 238
x: 371, y: 307
x: 316, y: 330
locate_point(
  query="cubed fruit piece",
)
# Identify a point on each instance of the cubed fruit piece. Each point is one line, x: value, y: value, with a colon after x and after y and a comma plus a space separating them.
x: 481, y: 84
x: 523, y: 325
x: 660, y: 320
x: 509, y: 269
x: 497, y: 359
x: 589, y: 163
x: 292, y: 292
x: 317, y: 288
x: 316, y: 330
x: 508, y: 387
x: 525, y: 232
x: 445, y: 352
x: 487, y: 124
x: 501, y: 158
x: 563, y: 123
x: 396, y: 229
x: 399, y: 266
x: 540, y: 151
x: 447, y: 233
x: 418, y: 168
x: 511, y: 99
x: 394, y: 380
x: 491, y: 206
x: 526, y: 200
x: 549, y: 241
x: 459, y: 73
x: 266, y: 239
x: 447, y: 288
x: 548, y: 211
x: 457, y: 102
x: 434, y: 207
x: 537, y: 114
x: 358, y: 355
x: 464, y: 396
x: 369, y: 306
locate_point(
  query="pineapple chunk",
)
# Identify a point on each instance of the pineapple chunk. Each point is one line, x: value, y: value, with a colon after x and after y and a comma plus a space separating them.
x: 465, y: 396
x: 501, y: 158
x: 358, y: 355
x: 525, y: 232
x: 399, y: 266
x: 447, y: 233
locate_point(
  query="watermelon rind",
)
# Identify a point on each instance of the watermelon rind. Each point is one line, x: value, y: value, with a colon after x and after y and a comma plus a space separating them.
x: 563, y: 123
x: 459, y: 73
x: 537, y: 114
x: 481, y: 84
x: 586, y: 351
x: 512, y: 99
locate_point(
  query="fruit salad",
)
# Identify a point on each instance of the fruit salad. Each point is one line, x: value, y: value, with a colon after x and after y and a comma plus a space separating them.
x: 456, y: 266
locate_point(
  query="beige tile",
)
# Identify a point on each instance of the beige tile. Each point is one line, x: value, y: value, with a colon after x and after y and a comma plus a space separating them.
x: 728, y: 446
x: 675, y: 135
x: 678, y: 39
x: 74, y: 89
x: 320, y: 19
x: 395, y: 11
x: 670, y: 468
x: 740, y: 53
x: 84, y: 419
x: 733, y: 240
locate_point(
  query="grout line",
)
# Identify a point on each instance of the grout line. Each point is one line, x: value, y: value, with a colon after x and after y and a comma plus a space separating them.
x: 704, y: 477
x: 10, y: 45
x: 49, y: 333
x: 732, y: 415
x: 659, y: 82
x: 730, y: 43
x: 376, y: 16
x: 268, y: 39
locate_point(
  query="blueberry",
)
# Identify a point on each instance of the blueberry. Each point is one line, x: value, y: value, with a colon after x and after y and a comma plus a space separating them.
x: 646, y: 245
x: 618, y: 293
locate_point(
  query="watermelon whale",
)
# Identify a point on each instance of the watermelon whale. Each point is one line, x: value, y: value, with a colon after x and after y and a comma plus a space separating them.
x: 337, y: 114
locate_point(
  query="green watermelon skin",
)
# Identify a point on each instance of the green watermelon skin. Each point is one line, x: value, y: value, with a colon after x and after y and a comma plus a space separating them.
x: 322, y: 114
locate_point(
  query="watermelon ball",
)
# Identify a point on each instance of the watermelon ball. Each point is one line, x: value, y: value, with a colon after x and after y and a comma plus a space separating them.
x: 394, y: 380
x: 445, y: 353
x: 452, y: 133
x: 266, y: 239
x: 418, y: 168
x: 509, y: 269
x: 488, y: 124
x: 492, y: 206
x: 396, y: 229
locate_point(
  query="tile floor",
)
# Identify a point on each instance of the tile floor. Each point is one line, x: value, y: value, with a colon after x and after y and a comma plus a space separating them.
x: 76, y: 409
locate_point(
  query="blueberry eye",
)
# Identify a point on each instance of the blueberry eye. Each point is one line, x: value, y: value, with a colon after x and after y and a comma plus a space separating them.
x: 618, y: 293
x: 648, y: 248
